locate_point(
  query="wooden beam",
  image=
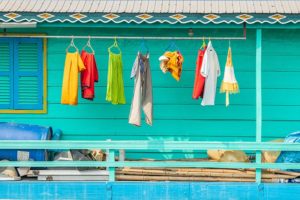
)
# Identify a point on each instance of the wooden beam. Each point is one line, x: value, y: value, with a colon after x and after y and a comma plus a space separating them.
x: 159, y: 164
x: 111, y: 169
x: 258, y: 100
x: 148, y: 145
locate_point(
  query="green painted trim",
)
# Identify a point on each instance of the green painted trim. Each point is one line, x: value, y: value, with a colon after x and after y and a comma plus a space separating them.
x: 258, y: 172
x: 124, y: 25
x: 148, y: 145
x: 155, y: 18
x: 43, y: 111
x: 45, y: 76
x: 111, y: 170
x: 258, y: 100
x: 172, y: 26
x: 258, y: 86
x: 149, y: 164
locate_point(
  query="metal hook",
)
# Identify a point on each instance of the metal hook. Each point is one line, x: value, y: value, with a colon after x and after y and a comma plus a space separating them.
x: 72, y: 40
x: 143, y: 46
x: 72, y: 44
x: 115, y: 43
x: 203, y: 43
x: 88, y: 44
x: 89, y: 41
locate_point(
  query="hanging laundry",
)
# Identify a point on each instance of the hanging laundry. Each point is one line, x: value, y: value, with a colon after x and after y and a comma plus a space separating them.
x: 229, y: 83
x: 142, y: 94
x: 73, y: 65
x: 89, y: 76
x: 211, y: 71
x: 172, y: 62
x: 199, y: 79
x: 115, y: 85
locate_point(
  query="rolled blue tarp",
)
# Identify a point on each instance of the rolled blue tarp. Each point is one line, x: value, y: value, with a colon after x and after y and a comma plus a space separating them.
x: 290, y: 156
x: 13, y: 131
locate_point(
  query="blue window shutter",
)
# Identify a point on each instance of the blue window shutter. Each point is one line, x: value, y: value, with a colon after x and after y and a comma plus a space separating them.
x: 6, y: 73
x: 28, y: 74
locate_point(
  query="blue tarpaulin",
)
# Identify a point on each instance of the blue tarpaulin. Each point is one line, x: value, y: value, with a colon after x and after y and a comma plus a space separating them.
x: 13, y: 131
x: 290, y: 156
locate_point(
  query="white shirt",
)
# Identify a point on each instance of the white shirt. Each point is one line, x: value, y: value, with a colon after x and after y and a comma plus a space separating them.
x: 211, y: 71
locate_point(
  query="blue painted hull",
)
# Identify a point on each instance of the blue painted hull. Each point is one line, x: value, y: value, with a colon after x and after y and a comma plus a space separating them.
x: 147, y: 190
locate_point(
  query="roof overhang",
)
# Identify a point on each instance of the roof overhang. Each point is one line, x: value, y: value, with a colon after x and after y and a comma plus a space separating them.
x: 149, y: 18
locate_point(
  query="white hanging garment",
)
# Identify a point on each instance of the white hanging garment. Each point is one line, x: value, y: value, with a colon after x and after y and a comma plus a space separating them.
x: 211, y: 71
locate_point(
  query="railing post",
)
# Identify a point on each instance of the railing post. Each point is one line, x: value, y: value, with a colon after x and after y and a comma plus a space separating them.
x: 111, y: 170
x: 258, y: 100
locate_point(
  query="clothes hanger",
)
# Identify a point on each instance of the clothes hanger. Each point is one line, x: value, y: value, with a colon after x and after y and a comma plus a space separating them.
x: 72, y: 44
x: 209, y: 41
x: 203, y: 44
x: 171, y: 46
x: 144, y: 45
x: 88, y: 44
x: 115, y: 45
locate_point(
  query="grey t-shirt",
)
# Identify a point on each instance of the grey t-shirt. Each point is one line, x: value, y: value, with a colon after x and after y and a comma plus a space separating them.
x: 211, y: 71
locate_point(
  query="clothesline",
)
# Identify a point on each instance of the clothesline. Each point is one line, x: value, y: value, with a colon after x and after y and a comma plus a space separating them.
x: 123, y: 37
x: 205, y: 84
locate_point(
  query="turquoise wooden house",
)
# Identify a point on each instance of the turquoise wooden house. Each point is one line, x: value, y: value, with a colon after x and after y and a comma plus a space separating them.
x: 265, y: 40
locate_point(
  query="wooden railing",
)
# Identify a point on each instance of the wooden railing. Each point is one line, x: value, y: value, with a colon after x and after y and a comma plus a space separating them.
x: 114, y: 146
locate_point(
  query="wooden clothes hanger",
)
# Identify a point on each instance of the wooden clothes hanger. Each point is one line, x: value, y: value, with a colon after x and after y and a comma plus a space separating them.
x: 88, y: 44
x: 72, y: 44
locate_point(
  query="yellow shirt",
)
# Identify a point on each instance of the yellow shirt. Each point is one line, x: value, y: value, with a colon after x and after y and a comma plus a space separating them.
x: 73, y: 65
x: 174, y: 64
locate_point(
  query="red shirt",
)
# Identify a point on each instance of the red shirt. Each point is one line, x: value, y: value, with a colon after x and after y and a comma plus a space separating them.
x: 89, y: 76
x: 199, y: 79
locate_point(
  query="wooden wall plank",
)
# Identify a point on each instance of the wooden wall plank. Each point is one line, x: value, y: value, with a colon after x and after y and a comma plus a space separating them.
x: 121, y: 127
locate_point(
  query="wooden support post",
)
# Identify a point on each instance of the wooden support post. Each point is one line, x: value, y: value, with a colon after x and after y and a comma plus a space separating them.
x: 111, y: 170
x: 258, y: 100
x: 121, y: 155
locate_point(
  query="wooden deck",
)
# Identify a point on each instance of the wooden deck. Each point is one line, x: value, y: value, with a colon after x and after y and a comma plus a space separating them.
x: 147, y: 190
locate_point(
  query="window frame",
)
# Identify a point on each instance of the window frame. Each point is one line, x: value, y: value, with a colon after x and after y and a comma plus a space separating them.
x: 44, y: 82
